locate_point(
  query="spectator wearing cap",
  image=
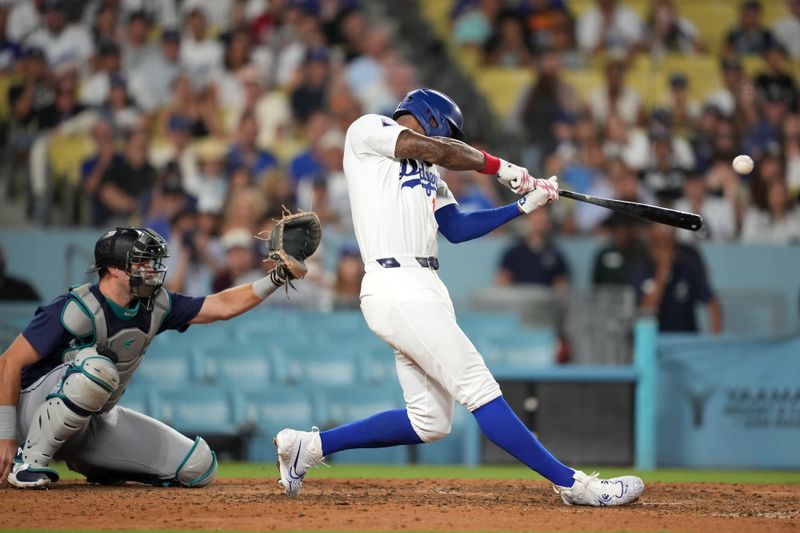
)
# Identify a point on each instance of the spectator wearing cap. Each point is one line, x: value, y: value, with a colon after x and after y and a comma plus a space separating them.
x: 121, y: 107
x: 546, y: 99
x: 240, y: 264
x: 196, y: 255
x: 137, y: 47
x: 667, y: 32
x: 787, y: 29
x: 151, y: 81
x: 683, y: 109
x: 733, y: 78
x: 33, y: 92
x: 24, y: 19
x: 615, y: 97
x: 165, y: 200
x: 611, y: 27
x: 127, y: 180
x: 245, y: 151
x: 776, y: 82
x: 310, y: 94
x: 719, y: 218
x: 107, y: 64
x: 750, y: 37
x: 163, y: 11
x: 200, y: 55
x: 175, y: 147
x: 349, y: 273
x: 672, y: 281
x: 624, y: 250
x: 209, y: 185
x: 534, y: 259
x: 60, y: 41
x: 664, y: 175
x: 702, y: 136
x: 94, y: 167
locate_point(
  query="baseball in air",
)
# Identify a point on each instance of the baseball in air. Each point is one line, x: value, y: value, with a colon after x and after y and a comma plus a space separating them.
x: 743, y: 164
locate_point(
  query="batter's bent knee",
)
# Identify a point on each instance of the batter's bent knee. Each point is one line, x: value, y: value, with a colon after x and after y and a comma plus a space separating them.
x: 199, y: 467
x: 90, y: 381
x: 427, y: 429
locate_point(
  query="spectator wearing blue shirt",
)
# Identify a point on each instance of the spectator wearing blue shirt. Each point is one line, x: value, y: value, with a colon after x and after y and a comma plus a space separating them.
x: 534, y: 259
x: 671, y: 281
x: 246, y: 153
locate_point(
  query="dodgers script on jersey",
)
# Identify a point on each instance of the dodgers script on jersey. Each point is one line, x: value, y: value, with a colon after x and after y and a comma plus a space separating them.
x: 392, y: 200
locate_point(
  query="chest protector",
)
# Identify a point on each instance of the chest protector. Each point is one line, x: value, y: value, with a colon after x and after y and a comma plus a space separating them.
x: 84, y: 318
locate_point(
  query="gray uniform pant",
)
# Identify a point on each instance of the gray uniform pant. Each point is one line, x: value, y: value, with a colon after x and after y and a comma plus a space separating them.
x: 120, y: 440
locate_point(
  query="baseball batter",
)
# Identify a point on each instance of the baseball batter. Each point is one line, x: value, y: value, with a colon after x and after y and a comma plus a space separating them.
x: 399, y: 202
x: 61, y: 379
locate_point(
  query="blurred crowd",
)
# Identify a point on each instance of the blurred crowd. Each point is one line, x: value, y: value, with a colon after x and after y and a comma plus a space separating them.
x: 676, y: 153
x: 205, y: 118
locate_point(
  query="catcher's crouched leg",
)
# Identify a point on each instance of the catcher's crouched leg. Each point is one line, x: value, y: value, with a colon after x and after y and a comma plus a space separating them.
x: 199, y: 467
x: 84, y: 391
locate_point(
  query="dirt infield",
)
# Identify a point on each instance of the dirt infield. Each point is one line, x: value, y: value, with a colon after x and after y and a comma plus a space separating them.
x: 396, y: 505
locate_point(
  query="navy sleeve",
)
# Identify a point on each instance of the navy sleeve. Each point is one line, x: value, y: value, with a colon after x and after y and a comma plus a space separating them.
x: 561, y: 268
x: 699, y: 283
x: 45, y: 332
x: 182, y: 310
x: 458, y: 226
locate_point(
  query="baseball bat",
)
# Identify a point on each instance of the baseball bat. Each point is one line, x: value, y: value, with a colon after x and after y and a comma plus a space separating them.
x: 671, y: 217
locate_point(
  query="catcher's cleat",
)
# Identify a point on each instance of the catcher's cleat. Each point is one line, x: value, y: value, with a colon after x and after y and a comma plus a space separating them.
x: 590, y: 490
x: 297, y: 452
x: 24, y: 476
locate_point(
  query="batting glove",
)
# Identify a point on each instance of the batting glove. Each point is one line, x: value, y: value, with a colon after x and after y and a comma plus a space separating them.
x: 544, y: 192
x: 515, y: 177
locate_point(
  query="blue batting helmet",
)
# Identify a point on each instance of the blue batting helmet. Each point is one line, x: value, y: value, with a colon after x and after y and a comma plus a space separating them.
x: 437, y: 112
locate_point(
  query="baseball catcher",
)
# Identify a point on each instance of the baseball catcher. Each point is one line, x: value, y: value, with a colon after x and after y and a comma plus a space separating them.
x: 61, y: 378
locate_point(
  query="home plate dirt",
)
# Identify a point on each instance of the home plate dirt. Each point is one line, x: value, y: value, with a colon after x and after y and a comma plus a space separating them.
x: 397, y: 505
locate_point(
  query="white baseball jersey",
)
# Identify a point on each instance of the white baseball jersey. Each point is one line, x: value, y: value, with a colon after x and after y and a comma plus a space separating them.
x: 392, y: 200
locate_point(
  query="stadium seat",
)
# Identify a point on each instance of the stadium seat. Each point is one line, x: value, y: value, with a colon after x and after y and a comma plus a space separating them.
x: 246, y: 368
x: 169, y: 365
x: 527, y: 350
x: 341, y: 405
x: 137, y: 398
x: 272, y: 409
x: 329, y: 364
x: 200, y: 410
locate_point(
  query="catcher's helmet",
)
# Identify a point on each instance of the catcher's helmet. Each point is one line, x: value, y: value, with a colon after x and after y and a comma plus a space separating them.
x: 140, y: 252
x: 437, y: 112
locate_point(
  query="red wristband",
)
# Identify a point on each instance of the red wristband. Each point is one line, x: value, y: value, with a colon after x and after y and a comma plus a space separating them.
x: 492, y: 164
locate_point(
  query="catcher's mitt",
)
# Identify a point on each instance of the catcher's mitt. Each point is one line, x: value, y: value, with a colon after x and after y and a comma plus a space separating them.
x: 294, y: 238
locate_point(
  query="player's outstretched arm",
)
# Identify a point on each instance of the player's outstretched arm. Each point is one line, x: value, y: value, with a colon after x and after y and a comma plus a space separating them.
x: 456, y: 155
x: 19, y: 355
x: 233, y: 302
x: 458, y: 226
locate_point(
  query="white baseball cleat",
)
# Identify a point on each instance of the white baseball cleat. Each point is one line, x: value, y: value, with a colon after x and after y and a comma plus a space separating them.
x: 297, y: 452
x: 590, y: 490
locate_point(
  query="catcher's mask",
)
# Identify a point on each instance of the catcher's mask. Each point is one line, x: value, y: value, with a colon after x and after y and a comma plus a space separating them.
x: 140, y: 252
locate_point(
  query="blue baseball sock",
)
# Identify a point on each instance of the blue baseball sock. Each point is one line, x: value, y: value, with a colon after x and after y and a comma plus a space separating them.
x: 389, y: 428
x: 499, y: 423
